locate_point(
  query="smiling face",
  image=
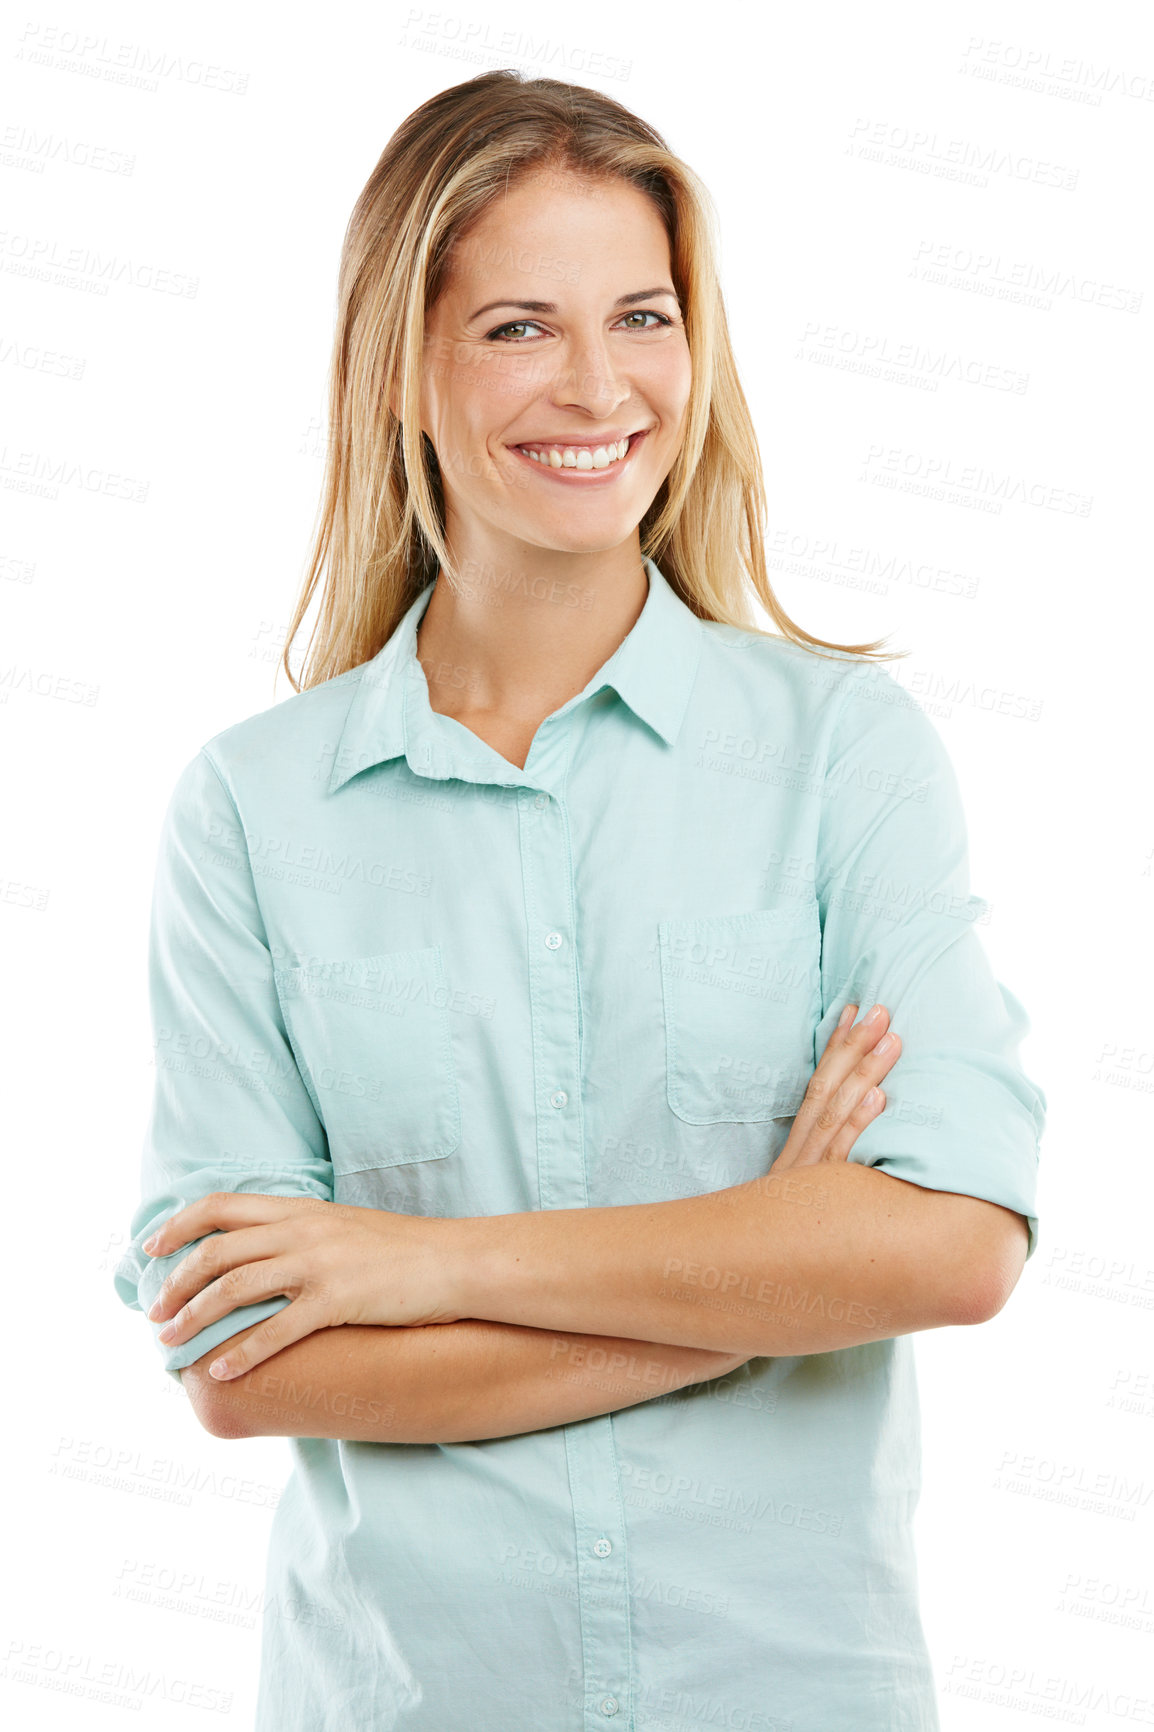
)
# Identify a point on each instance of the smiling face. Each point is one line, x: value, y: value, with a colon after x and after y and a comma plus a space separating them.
x: 559, y: 333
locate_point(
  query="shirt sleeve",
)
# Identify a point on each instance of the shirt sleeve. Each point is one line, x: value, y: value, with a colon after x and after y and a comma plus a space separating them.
x: 230, y: 1111
x: 900, y: 927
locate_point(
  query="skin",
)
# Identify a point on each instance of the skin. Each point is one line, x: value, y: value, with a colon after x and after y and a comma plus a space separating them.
x: 499, y: 652
x: 484, y: 1326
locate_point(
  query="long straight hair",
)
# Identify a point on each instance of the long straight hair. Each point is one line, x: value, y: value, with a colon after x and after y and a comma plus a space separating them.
x: 381, y: 524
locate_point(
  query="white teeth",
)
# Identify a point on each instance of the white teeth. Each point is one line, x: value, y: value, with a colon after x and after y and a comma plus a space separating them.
x: 577, y: 456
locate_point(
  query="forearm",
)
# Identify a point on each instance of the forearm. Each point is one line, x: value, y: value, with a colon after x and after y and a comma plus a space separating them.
x: 821, y: 1258
x: 444, y: 1383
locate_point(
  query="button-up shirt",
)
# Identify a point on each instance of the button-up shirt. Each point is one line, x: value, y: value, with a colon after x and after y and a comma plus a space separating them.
x: 390, y: 968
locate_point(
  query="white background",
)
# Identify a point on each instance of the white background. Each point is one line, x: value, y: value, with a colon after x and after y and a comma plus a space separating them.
x: 917, y: 205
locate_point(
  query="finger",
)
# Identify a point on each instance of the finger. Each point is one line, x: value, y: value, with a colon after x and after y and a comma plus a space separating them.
x: 846, y: 1046
x: 870, y: 1068
x: 844, y: 1023
x: 220, y: 1210
x: 245, y: 1285
x: 854, y: 1062
x: 215, y: 1256
x: 290, y: 1324
x: 871, y: 1105
x: 835, y: 1108
x: 852, y: 1037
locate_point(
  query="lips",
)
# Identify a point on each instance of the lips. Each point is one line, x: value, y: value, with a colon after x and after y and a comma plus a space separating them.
x: 561, y: 471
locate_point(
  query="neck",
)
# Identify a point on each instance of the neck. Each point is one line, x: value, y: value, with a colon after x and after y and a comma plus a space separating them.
x: 519, y: 645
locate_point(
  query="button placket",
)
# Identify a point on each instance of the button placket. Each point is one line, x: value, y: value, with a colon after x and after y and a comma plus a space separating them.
x: 555, y: 1015
x: 547, y: 877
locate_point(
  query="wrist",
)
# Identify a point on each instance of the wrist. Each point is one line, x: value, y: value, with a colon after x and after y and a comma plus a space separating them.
x: 467, y: 1250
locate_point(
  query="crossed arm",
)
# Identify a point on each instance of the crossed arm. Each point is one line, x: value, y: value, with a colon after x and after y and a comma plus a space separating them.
x: 764, y: 1268
x: 440, y: 1383
x: 568, y: 1313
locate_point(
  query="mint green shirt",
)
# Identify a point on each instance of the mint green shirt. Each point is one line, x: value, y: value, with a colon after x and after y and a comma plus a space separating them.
x: 389, y: 968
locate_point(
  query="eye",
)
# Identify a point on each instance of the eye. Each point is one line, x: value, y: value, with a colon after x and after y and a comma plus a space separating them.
x: 531, y: 324
x: 517, y: 325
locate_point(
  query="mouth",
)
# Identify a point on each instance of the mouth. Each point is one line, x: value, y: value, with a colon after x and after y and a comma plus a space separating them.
x: 581, y: 464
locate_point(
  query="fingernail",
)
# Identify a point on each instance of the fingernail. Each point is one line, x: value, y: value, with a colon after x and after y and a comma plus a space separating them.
x: 167, y: 1333
x: 875, y: 1013
x: 884, y: 1044
x: 150, y: 1242
x: 846, y: 1016
x: 218, y: 1368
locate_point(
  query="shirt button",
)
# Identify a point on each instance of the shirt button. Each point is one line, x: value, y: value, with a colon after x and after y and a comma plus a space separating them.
x: 602, y: 1547
x: 558, y: 1098
x: 554, y: 940
x: 541, y: 800
x: 610, y: 1705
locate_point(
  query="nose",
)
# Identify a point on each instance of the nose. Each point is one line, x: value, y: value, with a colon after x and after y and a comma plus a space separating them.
x: 587, y: 380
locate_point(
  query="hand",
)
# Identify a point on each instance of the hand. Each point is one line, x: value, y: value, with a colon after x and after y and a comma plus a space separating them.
x: 843, y: 1096
x: 337, y: 1263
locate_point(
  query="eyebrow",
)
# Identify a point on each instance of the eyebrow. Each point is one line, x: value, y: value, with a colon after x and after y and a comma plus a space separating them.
x: 551, y: 306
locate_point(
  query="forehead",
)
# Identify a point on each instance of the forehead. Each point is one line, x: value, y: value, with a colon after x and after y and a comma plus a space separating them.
x: 559, y: 228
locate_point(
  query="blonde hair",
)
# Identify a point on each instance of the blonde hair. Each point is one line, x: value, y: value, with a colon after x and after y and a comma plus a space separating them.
x: 380, y: 536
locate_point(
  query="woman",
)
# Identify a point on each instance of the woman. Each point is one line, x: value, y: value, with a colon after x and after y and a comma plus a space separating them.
x: 489, y: 974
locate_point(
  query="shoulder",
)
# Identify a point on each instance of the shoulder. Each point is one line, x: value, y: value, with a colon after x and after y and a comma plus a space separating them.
x: 852, y: 716
x: 289, y: 738
x: 765, y: 654
x: 822, y: 686
x: 278, y: 750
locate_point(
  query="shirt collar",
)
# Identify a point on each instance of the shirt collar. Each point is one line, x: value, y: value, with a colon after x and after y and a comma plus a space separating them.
x: 652, y: 670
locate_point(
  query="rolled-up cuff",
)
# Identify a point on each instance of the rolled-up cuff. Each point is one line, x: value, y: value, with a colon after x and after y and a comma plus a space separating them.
x: 183, y: 1353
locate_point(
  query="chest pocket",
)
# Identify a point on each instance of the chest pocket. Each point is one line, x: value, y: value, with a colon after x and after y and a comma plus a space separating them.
x: 742, y: 999
x: 373, y: 1042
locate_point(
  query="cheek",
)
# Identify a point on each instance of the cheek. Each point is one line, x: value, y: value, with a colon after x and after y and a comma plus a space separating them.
x: 453, y: 419
x: 669, y: 380
x: 467, y: 439
x: 454, y: 393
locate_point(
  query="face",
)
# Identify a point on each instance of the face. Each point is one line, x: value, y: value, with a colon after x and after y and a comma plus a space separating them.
x: 559, y: 332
